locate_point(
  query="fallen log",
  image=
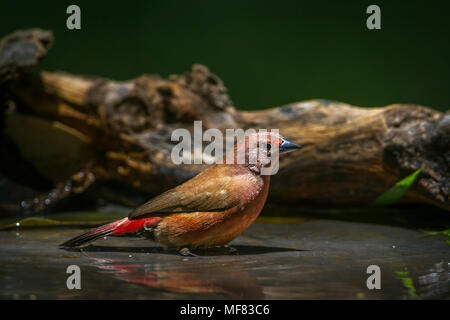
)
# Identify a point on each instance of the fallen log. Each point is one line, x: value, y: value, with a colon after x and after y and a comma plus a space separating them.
x: 122, y: 130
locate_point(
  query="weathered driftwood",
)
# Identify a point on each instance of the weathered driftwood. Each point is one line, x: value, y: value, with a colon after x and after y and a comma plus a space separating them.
x: 121, y: 131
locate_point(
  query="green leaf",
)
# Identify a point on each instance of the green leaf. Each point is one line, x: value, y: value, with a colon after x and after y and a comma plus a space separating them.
x: 408, y: 283
x: 68, y: 219
x: 446, y: 233
x: 392, y: 195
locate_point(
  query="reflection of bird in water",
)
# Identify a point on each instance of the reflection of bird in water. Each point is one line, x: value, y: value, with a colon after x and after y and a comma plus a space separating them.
x: 224, y: 280
x: 211, y: 209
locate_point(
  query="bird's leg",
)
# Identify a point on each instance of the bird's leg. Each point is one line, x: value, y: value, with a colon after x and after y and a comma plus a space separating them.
x: 185, y: 252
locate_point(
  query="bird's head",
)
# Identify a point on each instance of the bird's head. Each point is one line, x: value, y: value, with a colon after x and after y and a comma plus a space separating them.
x: 261, y: 151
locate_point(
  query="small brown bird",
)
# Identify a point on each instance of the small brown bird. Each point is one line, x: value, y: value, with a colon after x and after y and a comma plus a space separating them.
x: 211, y: 209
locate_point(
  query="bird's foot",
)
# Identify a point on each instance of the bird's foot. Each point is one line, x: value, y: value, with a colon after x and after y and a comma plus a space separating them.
x: 231, y: 250
x: 185, y: 252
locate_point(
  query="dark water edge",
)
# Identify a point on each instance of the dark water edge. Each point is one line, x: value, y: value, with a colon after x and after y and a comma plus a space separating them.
x: 299, y: 259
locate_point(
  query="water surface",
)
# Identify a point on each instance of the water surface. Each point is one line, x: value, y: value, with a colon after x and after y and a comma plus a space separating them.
x: 312, y: 259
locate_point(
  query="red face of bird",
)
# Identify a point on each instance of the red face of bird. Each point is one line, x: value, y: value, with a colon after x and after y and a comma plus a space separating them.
x: 262, y: 149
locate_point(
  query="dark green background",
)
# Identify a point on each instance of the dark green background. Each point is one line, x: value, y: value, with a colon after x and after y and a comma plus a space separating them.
x: 267, y: 53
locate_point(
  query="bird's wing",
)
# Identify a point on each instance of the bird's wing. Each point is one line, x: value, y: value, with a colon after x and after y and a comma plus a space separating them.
x: 216, y: 189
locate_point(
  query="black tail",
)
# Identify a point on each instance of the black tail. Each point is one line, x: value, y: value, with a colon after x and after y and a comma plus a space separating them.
x: 91, y: 235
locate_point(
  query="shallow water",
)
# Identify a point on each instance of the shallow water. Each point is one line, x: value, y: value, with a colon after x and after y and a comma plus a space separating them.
x: 312, y: 259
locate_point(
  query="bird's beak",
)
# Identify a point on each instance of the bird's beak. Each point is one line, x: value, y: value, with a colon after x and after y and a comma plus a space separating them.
x: 288, y: 146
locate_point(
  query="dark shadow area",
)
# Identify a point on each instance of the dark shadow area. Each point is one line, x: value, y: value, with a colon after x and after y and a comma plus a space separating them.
x: 219, y: 251
x: 411, y: 216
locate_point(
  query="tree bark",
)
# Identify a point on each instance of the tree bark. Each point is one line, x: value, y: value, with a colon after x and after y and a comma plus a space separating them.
x: 351, y: 155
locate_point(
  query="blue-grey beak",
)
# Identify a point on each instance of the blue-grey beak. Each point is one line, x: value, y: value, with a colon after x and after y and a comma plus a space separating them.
x: 288, y: 146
